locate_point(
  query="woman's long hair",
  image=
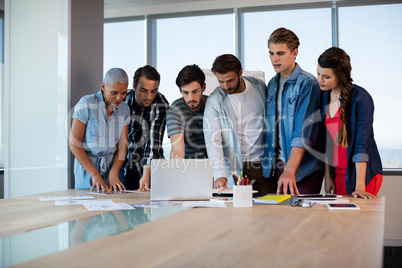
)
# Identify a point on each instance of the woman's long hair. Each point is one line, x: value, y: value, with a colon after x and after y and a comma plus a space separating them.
x: 337, y: 59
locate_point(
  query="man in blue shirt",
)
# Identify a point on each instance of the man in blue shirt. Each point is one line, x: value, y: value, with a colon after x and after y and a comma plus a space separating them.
x: 292, y: 100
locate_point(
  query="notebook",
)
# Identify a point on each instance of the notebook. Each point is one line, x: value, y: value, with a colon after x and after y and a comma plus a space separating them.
x: 271, y: 199
x: 181, y: 179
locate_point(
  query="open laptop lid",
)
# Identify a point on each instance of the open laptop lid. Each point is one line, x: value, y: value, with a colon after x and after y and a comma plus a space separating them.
x: 181, y: 179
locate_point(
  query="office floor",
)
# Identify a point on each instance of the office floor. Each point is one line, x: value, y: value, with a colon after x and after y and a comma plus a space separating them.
x: 392, y: 257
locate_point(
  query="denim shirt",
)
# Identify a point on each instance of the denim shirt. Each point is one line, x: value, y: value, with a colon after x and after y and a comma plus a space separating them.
x: 361, y: 144
x: 221, y: 133
x: 101, y: 135
x: 299, y: 120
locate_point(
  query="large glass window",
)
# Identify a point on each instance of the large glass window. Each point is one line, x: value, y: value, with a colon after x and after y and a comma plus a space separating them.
x: 190, y: 40
x: 372, y: 36
x: 312, y: 26
x: 364, y: 31
x: 124, y: 47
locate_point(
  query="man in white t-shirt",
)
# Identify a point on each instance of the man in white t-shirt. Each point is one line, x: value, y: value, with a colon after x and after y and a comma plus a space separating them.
x: 234, y: 125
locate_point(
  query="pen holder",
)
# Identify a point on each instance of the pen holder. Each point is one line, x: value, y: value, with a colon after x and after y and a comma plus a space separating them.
x: 243, y: 196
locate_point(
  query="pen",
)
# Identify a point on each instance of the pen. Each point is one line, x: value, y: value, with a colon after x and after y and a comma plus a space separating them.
x: 235, y: 178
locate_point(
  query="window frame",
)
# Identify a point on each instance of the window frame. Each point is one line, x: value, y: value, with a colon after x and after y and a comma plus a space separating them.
x: 238, y: 16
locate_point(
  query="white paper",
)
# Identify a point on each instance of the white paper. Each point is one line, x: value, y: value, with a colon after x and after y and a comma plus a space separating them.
x: 54, y: 198
x: 115, y: 192
x: 81, y: 202
x: 96, y: 206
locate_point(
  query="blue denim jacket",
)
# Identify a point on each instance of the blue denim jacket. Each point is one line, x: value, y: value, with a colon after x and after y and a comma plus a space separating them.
x: 221, y: 134
x: 361, y: 144
x: 300, y: 120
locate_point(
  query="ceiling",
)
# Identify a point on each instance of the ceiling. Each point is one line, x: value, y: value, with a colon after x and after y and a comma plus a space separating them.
x: 137, y: 3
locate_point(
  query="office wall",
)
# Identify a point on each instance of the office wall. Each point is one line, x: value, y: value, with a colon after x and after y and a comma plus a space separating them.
x: 85, y: 57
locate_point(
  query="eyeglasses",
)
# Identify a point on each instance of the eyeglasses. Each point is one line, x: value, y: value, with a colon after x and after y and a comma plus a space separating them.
x: 305, y: 203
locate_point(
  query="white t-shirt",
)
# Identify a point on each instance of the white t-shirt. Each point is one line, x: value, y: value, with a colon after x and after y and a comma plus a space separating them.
x: 249, y: 112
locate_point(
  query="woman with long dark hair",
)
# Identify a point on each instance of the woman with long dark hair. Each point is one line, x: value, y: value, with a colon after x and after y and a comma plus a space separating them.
x: 353, y: 164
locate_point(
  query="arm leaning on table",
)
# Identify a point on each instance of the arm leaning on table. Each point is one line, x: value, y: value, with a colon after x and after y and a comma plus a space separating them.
x: 329, y: 181
x: 175, y: 125
x: 364, y: 126
x: 75, y: 144
x: 178, y: 147
x: 118, y: 159
x: 288, y: 178
x: 213, y: 142
x: 153, y: 148
x: 303, y: 134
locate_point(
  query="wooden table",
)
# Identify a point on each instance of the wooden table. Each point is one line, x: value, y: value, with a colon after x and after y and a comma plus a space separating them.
x: 261, y: 236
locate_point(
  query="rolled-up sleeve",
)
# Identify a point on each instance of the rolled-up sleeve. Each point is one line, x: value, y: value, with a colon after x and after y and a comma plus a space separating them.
x: 307, y: 115
x: 213, y: 137
x: 364, y: 128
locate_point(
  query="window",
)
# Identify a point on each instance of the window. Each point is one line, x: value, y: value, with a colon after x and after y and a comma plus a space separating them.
x: 124, y: 47
x: 364, y: 31
x: 372, y: 37
x: 190, y: 40
x: 312, y: 26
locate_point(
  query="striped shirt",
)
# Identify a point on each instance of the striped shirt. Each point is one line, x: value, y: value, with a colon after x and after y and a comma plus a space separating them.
x: 181, y: 119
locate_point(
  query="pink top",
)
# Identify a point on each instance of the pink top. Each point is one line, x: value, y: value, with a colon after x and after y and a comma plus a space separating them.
x: 340, y: 156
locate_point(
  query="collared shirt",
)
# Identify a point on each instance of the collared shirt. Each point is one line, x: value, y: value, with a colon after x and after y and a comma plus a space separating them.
x: 145, y: 134
x: 299, y: 121
x: 101, y: 135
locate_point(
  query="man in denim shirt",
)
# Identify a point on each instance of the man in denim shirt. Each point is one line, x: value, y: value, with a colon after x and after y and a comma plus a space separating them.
x: 292, y: 100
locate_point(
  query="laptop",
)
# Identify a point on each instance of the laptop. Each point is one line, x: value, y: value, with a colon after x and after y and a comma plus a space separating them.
x: 181, y: 179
